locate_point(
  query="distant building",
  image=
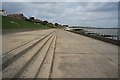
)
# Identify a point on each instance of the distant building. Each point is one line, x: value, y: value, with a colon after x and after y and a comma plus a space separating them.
x: 3, y: 12
x: 65, y: 25
x: 67, y: 28
x: 18, y: 16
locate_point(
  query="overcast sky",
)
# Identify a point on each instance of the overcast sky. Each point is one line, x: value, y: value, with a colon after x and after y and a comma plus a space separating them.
x: 102, y: 14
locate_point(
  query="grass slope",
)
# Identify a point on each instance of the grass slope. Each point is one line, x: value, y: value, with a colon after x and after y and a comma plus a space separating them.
x: 12, y: 23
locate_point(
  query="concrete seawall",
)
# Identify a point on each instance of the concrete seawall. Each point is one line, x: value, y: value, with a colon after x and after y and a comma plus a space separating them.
x: 55, y: 53
x: 112, y: 41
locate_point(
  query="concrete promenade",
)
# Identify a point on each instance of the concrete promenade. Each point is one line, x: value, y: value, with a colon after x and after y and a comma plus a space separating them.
x: 77, y: 56
x: 61, y: 54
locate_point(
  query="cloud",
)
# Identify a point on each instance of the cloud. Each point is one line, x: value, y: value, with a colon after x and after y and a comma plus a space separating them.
x: 104, y: 14
x: 60, y: 0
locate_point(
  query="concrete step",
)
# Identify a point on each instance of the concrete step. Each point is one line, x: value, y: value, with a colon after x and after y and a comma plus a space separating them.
x: 47, y: 66
x: 21, y: 63
x: 32, y: 70
x: 8, y: 58
x: 23, y: 43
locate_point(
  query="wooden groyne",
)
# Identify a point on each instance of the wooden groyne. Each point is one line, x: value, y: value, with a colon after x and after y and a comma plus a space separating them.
x: 101, y: 37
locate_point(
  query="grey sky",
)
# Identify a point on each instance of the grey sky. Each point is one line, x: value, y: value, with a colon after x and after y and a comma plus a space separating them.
x: 103, y: 14
x: 60, y: 0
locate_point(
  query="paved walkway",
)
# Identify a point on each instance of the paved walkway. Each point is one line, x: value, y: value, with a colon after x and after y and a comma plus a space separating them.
x: 77, y: 56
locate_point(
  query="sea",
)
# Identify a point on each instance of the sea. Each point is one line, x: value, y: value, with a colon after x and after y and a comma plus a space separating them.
x: 110, y: 31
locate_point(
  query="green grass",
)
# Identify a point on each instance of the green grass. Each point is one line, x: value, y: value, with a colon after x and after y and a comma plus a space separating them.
x: 12, y: 23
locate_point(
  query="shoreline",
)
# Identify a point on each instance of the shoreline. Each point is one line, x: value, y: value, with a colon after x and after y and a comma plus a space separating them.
x: 108, y: 40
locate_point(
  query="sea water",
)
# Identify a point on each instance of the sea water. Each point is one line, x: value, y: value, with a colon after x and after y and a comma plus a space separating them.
x: 106, y: 31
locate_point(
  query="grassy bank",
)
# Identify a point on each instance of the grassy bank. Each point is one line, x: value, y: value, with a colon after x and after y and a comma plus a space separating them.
x: 12, y: 23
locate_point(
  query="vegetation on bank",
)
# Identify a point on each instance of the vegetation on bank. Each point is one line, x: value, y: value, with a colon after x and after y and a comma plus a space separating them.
x: 19, y: 21
x: 13, y: 23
